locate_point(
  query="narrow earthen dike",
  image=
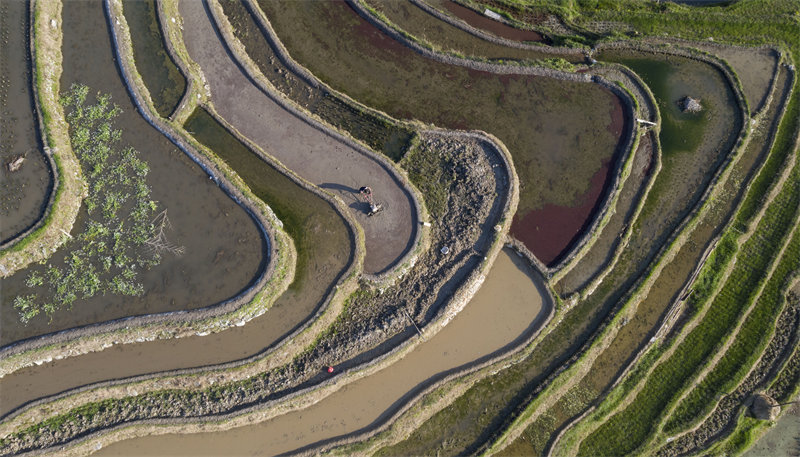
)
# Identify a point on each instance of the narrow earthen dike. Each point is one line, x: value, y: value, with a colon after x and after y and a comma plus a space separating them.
x: 331, y: 162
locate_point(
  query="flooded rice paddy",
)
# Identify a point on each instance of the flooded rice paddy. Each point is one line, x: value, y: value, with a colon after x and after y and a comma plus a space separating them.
x: 449, y: 38
x: 511, y: 303
x: 314, y: 154
x: 224, y: 250
x: 164, y: 81
x: 23, y: 193
x: 548, y: 125
x: 324, y: 247
x: 681, y: 182
x: 388, y: 138
x: 483, y: 22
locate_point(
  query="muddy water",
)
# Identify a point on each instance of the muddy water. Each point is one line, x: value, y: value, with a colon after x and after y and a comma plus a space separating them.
x: 309, y: 151
x: 541, y: 234
x: 678, y: 186
x: 388, y: 138
x: 23, y: 193
x: 419, y: 23
x: 324, y: 251
x: 224, y: 249
x: 665, y: 289
x: 604, y: 247
x: 481, y: 21
x: 782, y: 439
x: 509, y: 304
x: 548, y: 125
x: 160, y: 74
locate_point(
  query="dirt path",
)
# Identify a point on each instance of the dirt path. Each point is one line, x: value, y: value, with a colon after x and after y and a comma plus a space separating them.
x: 303, y: 148
x: 509, y: 304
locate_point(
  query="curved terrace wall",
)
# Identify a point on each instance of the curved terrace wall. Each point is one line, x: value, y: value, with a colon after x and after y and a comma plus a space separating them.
x: 68, y: 188
x: 247, y: 305
x: 454, y: 304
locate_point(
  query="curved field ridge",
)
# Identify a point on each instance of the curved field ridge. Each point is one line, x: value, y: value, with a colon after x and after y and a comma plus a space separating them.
x: 598, y: 210
x: 47, y: 234
x: 339, y: 166
x: 252, y: 302
x: 503, y: 204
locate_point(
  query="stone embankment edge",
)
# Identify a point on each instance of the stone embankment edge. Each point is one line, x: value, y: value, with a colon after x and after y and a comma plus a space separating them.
x: 624, y: 154
x: 413, y: 412
x: 305, y: 397
x: 252, y: 302
x: 732, y: 334
x: 69, y: 189
x: 306, y: 333
x: 420, y: 239
x: 196, y: 92
x: 603, y: 336
x: 667, y: 321
x: 558, y: 51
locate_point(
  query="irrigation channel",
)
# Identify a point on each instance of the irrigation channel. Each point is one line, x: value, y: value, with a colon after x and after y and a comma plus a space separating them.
x: 24, y: 192
x: 334, y: 164
x: 511, y: 303
x: 223, y: 248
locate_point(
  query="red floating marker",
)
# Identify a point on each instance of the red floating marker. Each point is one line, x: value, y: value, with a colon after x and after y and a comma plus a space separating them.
x: 330, y: 369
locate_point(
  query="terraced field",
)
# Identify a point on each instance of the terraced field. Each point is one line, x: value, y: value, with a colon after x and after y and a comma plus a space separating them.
x: 586, y: 240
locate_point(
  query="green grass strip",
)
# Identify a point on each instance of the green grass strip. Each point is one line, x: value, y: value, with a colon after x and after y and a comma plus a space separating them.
x: 628, y: 429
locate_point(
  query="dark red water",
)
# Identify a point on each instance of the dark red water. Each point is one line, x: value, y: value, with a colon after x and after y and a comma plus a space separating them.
x: 550, y: 231
x: 482, y: 22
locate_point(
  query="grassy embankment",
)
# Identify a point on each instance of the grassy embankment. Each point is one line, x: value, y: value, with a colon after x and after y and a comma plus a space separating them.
x: 719, y: 24
x: 70, y: 188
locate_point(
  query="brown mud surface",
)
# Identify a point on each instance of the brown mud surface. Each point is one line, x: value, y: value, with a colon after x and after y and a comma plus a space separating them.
x: 224, y: 248
x: 509, y: 304
x: 483, y: 22
x: 306, y: 150
x: 324, y: 251
x: 548, y: 125
x: 23, y: 193
x: 755, y: 68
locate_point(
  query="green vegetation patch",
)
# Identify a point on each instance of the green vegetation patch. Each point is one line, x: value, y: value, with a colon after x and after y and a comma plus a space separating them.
x: 628, y: 429
x: 122, y: 234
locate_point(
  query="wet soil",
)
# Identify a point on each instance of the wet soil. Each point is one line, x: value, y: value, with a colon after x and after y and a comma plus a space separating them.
x: 313, y: 154
x: 164, y: 81
x: 324, y: 251
x: 483, y: 22
x: 753, y: 66
x: 224, y: 248
x: 684, y: 176
x: 650, y: 310
x: 25, y: 192
x: 548, y: 125
x: 508, y: 306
